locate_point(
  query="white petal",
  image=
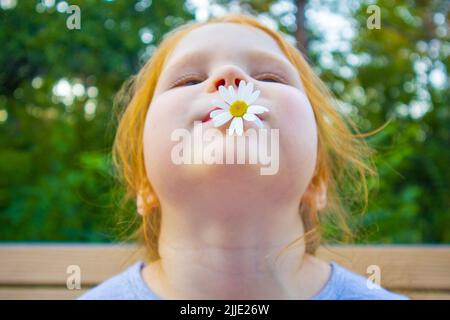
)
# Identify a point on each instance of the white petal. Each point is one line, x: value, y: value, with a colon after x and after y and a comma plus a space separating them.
x: 249, y: 117
x: 252, y: 98
x: 236, y: 125
x: 252, y: 118
x: 239, y: 128
x: 225, y: 95
x: 222, y: 118
x: 249, y: 89
x: 220, y: 104
x: 215, y: 113
x: 258, y: 122
x: 232, y: 93
x: 241, y: 90
x: 231, y: 127
x: 257, y: 109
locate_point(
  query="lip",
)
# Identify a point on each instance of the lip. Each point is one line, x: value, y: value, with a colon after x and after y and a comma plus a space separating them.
x: 207, y: 117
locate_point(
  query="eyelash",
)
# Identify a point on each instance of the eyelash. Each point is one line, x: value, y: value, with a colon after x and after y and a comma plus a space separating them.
x: 190, y: 77
x: 183, y: 79
x: 274, y: 76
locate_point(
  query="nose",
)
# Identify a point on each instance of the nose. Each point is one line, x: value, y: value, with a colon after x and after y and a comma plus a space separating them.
x: 229, y: 75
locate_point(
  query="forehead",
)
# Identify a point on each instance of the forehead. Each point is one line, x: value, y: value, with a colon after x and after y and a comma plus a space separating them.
x: 225, y: 40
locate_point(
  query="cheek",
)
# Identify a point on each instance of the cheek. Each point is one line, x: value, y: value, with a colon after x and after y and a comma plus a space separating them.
x: 292, y: 114
x: 294, y: 117
x: 164, y: 116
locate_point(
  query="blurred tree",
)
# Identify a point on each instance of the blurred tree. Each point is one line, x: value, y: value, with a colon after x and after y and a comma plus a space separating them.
x: 57, y: 86
x: 56, y: 91
x: 399, y: 73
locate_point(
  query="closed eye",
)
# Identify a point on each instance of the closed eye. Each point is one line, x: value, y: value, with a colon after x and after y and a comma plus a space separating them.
x: 187, y: 80
x: 270, y: 77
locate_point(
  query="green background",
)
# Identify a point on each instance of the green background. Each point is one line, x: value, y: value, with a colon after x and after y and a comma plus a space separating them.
x: 56, y: 178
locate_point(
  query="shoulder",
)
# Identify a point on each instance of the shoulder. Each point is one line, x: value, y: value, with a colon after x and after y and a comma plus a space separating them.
x: 347, y: 285
x: 127, y: 285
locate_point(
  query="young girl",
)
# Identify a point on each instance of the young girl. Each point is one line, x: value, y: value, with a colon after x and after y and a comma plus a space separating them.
x: 226, y: 231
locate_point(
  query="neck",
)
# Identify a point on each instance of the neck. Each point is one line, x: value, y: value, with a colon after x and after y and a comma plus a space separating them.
x: 231, y: 253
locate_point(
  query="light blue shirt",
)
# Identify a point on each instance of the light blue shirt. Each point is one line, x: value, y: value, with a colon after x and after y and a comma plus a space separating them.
x: 342, y: 284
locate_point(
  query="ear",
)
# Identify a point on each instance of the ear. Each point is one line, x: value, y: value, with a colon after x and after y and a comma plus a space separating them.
x: 140, y: 204
x: 316, y: 195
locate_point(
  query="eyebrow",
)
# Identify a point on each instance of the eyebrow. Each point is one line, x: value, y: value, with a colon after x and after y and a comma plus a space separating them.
x: 187, y: 59
x: 203, y: 56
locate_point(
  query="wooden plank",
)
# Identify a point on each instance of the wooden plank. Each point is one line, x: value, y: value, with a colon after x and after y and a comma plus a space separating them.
x: 402, y: 267
x: 426, y: 294
x: 406, y: 267
x: 37, y: 293
x: 47, y: 264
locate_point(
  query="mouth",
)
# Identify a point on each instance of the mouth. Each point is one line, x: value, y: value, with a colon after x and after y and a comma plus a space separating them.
x: 207, y: 116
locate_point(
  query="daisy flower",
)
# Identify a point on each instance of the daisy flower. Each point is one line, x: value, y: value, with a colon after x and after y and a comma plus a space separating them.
x: 237, y: 107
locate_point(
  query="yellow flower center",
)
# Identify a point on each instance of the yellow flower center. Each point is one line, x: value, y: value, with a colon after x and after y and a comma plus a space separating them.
x: 238, y: 108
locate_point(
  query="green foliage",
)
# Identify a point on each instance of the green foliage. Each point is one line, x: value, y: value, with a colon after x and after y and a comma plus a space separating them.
x: 389, y: 74
x: 55, y: 172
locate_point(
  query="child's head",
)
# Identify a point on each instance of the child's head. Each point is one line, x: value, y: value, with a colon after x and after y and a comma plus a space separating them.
x: 318, y: 153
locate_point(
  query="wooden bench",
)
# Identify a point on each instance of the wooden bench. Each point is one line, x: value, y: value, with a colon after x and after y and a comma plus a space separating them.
x: 39, y: 271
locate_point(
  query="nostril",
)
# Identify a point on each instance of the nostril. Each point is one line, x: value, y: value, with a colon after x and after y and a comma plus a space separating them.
x: 220, y: 83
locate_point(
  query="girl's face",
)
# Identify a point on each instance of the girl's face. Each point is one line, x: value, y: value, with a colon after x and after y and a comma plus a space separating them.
x: 225, y: 53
